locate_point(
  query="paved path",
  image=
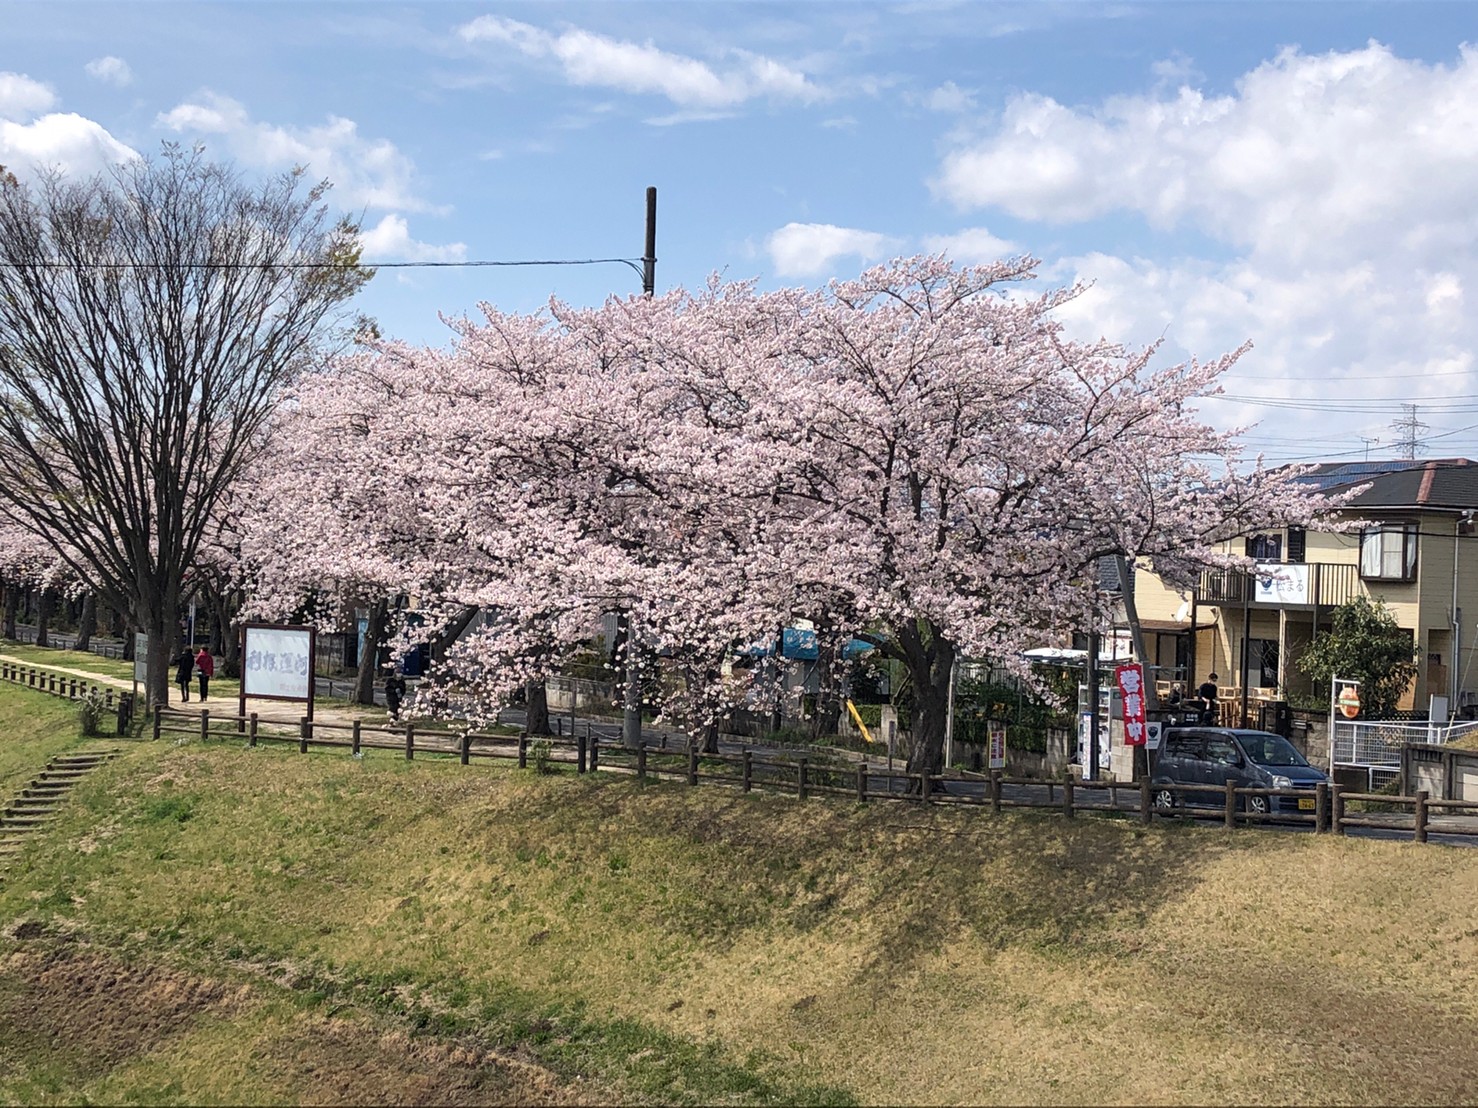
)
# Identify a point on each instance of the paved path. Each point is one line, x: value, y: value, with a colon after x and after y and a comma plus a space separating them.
x: 95, y: 678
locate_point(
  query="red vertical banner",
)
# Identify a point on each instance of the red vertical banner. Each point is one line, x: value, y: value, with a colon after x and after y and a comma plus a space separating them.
x: 1130, y: 677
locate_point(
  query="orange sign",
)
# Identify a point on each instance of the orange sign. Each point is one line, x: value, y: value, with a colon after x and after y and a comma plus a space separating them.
x: 1349, y: 702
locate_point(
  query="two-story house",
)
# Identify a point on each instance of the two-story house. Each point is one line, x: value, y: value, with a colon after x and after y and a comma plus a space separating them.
x: 1415, y: 550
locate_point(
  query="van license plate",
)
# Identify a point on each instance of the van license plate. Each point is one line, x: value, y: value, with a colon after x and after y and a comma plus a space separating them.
x: 1305, y: 804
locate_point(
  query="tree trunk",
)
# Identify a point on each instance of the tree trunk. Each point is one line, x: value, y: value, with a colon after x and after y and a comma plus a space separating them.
x: 536, y: 693
x: 930, y: 660
x: 12, y: 609
x: 377, y: 629
x: 165, y: 641
x: 43, y: 617
x: 710, y: 739
x: 118, y: 628
x: 828, y: 701
x: 88, y: 622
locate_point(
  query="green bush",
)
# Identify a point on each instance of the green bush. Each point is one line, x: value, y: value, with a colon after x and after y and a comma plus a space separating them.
x: 91, y: 710
x: 542, y: 752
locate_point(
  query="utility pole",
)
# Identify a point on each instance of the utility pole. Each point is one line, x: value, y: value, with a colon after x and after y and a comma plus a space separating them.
x: 631, y: 707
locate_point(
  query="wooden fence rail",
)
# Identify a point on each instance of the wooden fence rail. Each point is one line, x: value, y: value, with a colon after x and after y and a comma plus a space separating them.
x: 56, y: 683
x: 1327, y: 808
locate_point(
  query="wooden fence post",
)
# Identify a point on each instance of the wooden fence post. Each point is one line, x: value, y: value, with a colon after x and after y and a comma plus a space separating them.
x: 355, y: 747
x: 1231, y: 803
x: 861, y: 782
x: 204, y: 724
x: 158, y: 719
x: 251, y: 738
x: 523, y: 750
x: 580, y: 742
x: 1337, y: 808
x: 410, y: 741
x: 641, y: 761
x: 72, y: 689
x: 748, y: 769
x: 466, y: 747
x: 593, y: 737
x: 1067, y: 795
x: 1146, y: 808
x: 692, y: 764
x: 304, y: 730
x: 995, y: 792
x: 800, y: 782
x: 1321, y: 807
x: 926, y: 788
x: 1419, y: 816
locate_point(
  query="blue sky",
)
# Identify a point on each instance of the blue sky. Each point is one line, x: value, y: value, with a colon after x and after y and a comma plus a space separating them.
x: 1301, y: 175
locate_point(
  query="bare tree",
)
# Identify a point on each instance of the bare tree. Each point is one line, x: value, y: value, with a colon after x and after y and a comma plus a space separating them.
x: 148, y: 318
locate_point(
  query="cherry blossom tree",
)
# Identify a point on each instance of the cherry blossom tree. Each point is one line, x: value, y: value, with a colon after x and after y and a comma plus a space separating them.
x: 920, y: 456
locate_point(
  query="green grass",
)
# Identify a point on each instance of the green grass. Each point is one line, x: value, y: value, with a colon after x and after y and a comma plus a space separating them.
x: 33, y: 728
x: 675, y: 945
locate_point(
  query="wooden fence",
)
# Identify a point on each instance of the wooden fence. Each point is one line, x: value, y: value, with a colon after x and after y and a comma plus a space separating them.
x: 1329, y: 809
x: 1326, y: 809
x: 64, y: 685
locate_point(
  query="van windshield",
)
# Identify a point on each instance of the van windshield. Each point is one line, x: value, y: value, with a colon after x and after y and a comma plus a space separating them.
x: 1271, y: 750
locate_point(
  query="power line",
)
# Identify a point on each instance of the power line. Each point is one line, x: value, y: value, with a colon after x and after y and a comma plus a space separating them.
x: 634, y: 263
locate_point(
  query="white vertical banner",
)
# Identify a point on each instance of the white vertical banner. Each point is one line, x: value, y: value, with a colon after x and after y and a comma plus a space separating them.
x: 277, y: 662
x: 141, y: 658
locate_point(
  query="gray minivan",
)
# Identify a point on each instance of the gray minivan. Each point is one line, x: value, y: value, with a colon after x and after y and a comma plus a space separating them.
x: 1252, y: 759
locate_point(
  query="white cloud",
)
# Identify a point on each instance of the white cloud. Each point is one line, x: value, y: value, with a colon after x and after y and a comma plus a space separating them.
x: 1339, y: 187
x: 949, y: 97
x: 1310, y: 149
x: 810, y: 249
x: 390, y: 240
x: 64, y: 141
x: 21, y: 97
x: 973, y: 246
x: 365, y: 172
x: 110, y: 70
x: 591, y: 60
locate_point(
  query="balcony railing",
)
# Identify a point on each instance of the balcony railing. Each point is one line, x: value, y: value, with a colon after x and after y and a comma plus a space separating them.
x: 1282, y: 585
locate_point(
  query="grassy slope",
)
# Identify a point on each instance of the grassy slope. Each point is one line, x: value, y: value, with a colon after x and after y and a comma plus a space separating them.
x: 675, y: 945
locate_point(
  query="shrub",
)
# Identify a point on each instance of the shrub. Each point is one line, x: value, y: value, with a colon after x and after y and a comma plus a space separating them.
x: 90, y: 712
x: 542, y: 752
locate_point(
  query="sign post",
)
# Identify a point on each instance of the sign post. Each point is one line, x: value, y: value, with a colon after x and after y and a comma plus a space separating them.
x: 1344, y: 699
x: 997, y: 748
x: 277, y: 663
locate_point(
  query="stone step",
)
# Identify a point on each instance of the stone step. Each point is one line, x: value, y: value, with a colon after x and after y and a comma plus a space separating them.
x: 34, y: 803
x: 15, y: 822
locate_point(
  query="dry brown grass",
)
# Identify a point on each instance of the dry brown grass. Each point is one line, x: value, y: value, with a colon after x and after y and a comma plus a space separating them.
x: 907, y: 955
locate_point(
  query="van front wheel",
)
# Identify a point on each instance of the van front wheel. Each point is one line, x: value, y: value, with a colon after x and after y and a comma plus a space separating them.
x: 1164, y: 800
x: 1256, y: 805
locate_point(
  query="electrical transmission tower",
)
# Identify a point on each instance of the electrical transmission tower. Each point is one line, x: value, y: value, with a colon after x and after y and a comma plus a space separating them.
x: 1409, y: 445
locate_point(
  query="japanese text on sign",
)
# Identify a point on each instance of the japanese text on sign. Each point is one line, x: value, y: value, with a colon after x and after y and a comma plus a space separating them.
x: 276, y: 662
x: 1130, y: 677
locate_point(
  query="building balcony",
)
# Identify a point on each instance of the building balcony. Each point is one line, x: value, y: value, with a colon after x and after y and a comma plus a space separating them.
x: 1280, y: 585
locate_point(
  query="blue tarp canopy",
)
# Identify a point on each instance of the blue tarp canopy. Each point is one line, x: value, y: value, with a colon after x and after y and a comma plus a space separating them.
x: 800, y: 644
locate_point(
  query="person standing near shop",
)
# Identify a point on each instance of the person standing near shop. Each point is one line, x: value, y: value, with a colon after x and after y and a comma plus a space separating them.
x: 206, y: 666
x: 1207, y: 692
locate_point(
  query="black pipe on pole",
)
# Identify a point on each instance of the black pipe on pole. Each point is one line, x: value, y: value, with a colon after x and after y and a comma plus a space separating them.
x: 649, y: 255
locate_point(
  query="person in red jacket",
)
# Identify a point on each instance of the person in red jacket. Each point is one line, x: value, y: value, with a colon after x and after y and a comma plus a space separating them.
x: 206, y: 665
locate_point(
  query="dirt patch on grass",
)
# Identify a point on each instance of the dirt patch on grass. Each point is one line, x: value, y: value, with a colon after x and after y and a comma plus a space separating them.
x: 337, y: 1061
x: 93, y: 1013
x: 79, y: 1015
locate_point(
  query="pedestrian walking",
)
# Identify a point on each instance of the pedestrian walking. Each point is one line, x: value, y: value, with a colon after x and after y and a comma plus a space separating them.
x: 205, y: 664
x: 184, y: 667
x: 394, y: 692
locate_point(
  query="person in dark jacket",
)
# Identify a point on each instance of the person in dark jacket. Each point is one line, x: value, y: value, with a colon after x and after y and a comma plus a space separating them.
x: 1207, y: 692
x: 394, y: 692
x: 205, y: 665
x: 184, y: 667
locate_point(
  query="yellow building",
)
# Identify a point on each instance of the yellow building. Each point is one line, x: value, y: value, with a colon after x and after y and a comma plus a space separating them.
x: 1415, y: 549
